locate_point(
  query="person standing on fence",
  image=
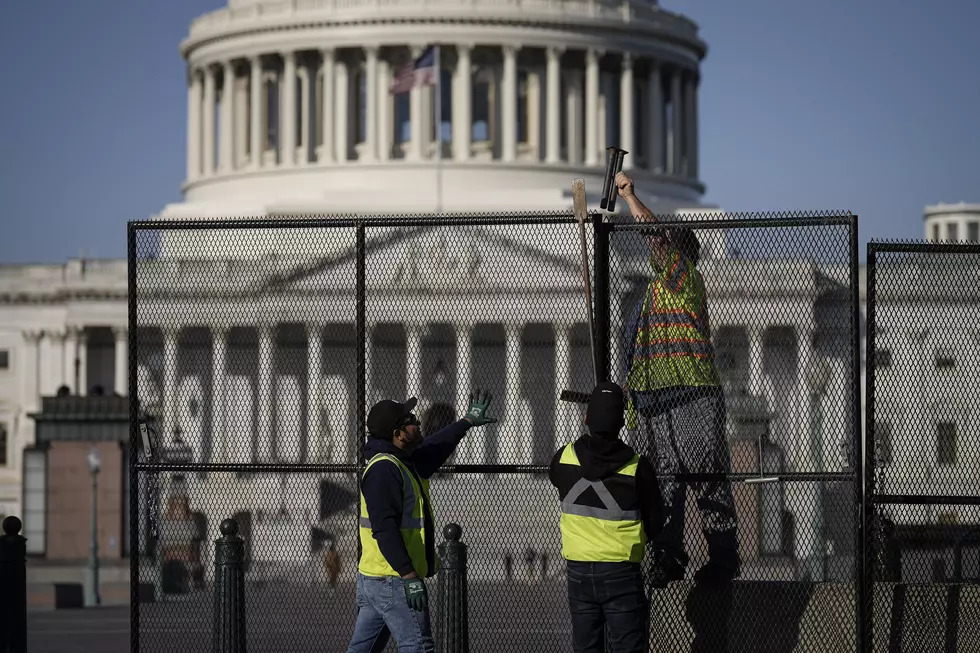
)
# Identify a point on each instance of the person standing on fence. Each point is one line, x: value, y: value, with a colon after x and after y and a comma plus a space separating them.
x: 676, y: 396
x: 396, y: 524
x: 609, y: 510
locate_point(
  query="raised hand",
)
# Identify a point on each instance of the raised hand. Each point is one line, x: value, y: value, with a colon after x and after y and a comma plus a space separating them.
x: 476, y: 414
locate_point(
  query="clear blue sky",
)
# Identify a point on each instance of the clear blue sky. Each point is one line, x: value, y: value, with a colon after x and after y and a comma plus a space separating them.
x: 867, y: 105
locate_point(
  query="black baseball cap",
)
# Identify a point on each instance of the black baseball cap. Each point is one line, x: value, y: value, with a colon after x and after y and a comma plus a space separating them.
x: 386, y: 415
x: 605, y: 414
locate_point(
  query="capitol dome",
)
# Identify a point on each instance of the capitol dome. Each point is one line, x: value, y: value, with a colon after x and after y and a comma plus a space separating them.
x: 290, y: 109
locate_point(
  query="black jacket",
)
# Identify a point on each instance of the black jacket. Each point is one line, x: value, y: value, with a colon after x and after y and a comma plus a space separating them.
x: 600, y: 457
x: 382, y: 490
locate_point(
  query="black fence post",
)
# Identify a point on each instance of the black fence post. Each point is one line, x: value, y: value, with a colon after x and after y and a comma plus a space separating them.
x: 13, y: 587
x: 229, y: 590
x: 452, y: 634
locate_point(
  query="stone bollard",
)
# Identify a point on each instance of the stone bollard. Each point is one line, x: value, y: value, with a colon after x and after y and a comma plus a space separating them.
x: 229, y: 590
x: 13, y: 587
x: 452, y: 617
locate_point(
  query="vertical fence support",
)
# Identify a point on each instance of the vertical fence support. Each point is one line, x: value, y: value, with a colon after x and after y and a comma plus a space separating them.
x: 452, y: 634
x: 13, y: 588
x: 229, y: 590
x: 600, y: 254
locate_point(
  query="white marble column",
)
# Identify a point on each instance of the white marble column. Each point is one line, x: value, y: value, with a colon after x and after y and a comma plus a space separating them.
x: 510, y: 444
x: 287, y: 114
x: 171, y: 352
x: 303, y: 148
x: 386, y: 103
x: 341, y: 110
x: 564, y: 432
x: 325, y: 153
x: 692, y: 126
x: 315, y: 446
x: 462, y: 102
x: 532, y: 113
x: 413, y: 362
x: 227, y: 118
x: 573, y: 116
x: 416, y: 118
x: 207, y: 139
x: 756, y: 342
x: 655, y: 109
x: 803, y: 499
x: 31, y: 390
x: 256, y: 139
x: 194, y: 125
x: 220, y: 447
x: 626, y: 110
x: 553, y: 123
x: 802, y: 458
x: 508, y: 99
x: 677, y: 124
x: 121, y: 376
x: 592, y: 107
x: 267, y: 343
x: 464, y: 356
x: 240, y: 110
x: 371, y: 103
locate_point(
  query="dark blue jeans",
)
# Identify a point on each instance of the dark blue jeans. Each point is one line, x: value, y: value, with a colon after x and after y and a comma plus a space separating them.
x: 607, y: 598
x: 383, y: 612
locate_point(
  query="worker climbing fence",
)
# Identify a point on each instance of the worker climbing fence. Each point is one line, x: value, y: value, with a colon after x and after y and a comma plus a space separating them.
x: 923, y: 491
x: 257, y: 347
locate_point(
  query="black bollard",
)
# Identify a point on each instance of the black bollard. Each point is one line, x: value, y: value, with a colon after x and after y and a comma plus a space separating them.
x: 229, y: 590
x: 452, y: 629
x: 13, y: 587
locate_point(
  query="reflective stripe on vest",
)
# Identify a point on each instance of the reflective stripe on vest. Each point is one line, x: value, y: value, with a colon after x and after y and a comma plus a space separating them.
x: 592, y: 534
x: 414, y: 496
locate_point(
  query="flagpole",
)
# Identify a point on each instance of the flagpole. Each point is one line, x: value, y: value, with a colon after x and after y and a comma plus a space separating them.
x: 438, y: 94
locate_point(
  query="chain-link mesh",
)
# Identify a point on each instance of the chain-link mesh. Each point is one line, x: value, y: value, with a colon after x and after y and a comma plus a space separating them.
x: 258, y: 347
x: 923, y: 499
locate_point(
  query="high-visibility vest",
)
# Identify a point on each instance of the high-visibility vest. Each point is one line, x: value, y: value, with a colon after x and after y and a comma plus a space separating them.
x: 609, y: 534
x: 415, y: 494
x: 673, y: 343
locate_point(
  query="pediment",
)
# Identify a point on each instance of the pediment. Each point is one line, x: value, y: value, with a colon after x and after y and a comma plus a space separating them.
x: 449, y: 258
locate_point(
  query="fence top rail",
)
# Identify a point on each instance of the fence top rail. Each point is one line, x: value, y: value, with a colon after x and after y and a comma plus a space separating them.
x: 704, y: 220
x: 921, y: 247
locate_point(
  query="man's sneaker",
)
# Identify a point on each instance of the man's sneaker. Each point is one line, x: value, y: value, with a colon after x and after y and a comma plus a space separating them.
x: 665, y: 570
x: 714, y: 573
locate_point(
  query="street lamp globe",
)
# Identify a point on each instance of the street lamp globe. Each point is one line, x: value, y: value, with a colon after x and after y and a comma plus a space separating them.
x: 94, y: 460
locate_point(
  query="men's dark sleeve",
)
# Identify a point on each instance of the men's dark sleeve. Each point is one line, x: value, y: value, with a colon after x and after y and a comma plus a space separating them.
x: 651, y: 507
x: 553, y: 467
x: 382, y: 488
x: 438, y: 447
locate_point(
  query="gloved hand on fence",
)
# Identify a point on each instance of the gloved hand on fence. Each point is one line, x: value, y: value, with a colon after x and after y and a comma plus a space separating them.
x: 415, y: 594
x: 476, y: 414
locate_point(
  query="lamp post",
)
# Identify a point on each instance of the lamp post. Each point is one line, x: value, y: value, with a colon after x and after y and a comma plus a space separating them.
x: 818, y: 378
x: 92, y: 587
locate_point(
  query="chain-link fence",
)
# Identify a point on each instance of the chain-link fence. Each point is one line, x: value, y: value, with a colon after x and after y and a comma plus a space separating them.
x: 923, y: 405
x: 258, y: 347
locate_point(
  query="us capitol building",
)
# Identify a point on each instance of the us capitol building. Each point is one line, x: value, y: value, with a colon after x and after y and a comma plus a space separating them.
x: 290, y: 114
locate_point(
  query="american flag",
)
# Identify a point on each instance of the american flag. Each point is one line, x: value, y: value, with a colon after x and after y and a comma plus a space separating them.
x: 421, y: 72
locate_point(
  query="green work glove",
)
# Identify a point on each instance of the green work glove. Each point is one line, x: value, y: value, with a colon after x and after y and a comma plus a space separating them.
x: 415, y: 594
x: 477, y: 412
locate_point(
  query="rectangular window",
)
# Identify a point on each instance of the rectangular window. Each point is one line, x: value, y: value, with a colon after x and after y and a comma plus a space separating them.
x: 883, y: 442
x: 946, y: 443
x: 4, y: 359
x: 952, y: 231
x: 973, y: 232
x: 883, y: 358
x: 4, y: 445
x: 523, y: 89
x: 771, y: 505
x: 35, y: 500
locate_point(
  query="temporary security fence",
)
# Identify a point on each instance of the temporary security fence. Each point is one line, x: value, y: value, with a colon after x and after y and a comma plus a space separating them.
x: 257, y: 347
x: 923, y: 486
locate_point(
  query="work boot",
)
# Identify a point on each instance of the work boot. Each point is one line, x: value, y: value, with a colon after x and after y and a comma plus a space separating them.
x: 665, y: 569
x: 724, y: 562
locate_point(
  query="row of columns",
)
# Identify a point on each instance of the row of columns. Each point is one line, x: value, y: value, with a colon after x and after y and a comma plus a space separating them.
x: 510, y: 437
x: 671, y: 147
x: 67, y: 346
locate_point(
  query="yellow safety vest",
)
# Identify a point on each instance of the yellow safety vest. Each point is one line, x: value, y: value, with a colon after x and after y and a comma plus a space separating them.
x: 372, y: 562
x: 673, y: 343
x: 590, y: 534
